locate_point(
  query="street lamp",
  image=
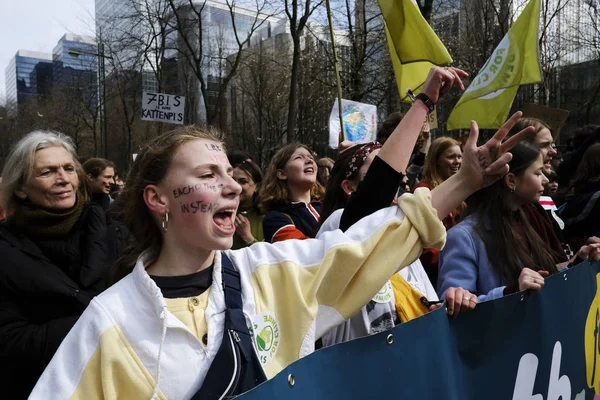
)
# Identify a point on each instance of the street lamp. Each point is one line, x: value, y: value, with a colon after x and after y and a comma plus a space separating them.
x: 102, y: 92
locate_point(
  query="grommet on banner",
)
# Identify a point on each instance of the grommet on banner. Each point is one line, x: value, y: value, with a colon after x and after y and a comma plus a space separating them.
x: 565, y: 276
x: 390, y: 339
x: 522, y: 297
x: 291, y: 380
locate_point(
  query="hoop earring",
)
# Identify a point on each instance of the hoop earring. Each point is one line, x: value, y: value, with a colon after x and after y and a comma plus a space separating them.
x: 165, y: 222
x: 512, y: 190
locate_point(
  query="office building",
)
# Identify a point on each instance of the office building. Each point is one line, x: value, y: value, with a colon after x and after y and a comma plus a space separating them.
x: 75, y: 68
x: 219, y: 42
x: 73, y: 58
x: 119, y: 21
x: 257, y: 103
x: 41, y: 81
x: 19, y: 87
x: 568, y: 29
x: 111, y: 17
x: 115, y: 18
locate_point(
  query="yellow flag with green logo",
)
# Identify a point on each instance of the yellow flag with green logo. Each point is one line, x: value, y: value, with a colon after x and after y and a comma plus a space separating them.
x: 414, y: 46
x: 513, y: 63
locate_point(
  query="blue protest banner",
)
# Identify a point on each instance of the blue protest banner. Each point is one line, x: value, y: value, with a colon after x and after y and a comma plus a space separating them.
x: 520, y: 347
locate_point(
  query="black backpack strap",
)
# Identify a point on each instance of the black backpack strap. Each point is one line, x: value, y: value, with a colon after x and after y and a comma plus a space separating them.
x: 234, y: 312
x: 222, y: 378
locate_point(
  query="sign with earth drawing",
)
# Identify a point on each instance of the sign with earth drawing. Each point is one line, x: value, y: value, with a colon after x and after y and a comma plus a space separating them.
x: 360, y: 123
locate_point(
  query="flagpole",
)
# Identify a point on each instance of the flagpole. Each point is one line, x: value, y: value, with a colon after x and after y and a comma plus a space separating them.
x: 337, y: 71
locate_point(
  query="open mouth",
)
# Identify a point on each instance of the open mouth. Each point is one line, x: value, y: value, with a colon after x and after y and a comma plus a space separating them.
x: 224, y: 220
x: 309, y: 170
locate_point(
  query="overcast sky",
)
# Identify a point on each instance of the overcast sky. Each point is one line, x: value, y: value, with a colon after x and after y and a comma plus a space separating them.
x: 38, y: 25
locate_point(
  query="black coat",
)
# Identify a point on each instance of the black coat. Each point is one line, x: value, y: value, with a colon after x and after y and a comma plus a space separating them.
x: 45, y: 285
x: 581, y: 214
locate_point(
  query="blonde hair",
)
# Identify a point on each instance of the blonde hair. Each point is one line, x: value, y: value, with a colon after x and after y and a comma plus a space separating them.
x: 18, y: 168
x: 431, y: 172
x: 276, y: 192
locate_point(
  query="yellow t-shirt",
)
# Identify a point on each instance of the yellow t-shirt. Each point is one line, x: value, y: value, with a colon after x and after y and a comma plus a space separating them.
x: 191, y: 312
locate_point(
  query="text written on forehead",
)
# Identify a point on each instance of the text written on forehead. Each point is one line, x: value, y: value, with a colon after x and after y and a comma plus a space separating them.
x: 213, y: 147
x: 198, y: 187
x: 198, y: 206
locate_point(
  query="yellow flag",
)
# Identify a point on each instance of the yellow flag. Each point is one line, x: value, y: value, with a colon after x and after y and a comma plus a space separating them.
x: 414, y: 46
x: 513, y: 63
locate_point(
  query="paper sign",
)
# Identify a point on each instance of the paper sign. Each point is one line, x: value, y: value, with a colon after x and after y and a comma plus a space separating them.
x: 163, y: 107
x: 432, y: 120
x: 360, y: 123
x: 555, y: 118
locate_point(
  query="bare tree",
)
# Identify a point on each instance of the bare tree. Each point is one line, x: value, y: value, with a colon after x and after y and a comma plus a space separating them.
x: 298, y: 12
x: 577, y: 79
x: 213, y: 66
x: 258, y: 108
x: 123, y: 104
x: 426, y: 8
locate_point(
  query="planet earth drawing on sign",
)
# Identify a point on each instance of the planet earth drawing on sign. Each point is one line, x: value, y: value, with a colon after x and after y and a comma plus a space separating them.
x: 355, y: 124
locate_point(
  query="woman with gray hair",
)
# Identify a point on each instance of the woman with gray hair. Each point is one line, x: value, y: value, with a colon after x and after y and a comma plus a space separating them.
x: 55, y: 247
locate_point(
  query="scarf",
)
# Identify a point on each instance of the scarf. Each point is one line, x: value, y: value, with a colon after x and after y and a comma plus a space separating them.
x: 42, y: 222
x: 543, y: 227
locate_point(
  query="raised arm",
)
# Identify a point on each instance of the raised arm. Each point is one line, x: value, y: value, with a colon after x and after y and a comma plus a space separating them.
x: 398, y: 148
x: 481, y: 166
x: 340, y: 271
x: 381, y: 183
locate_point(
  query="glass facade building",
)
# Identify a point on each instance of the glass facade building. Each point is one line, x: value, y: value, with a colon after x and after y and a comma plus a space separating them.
x: 114, y: 22
x: 32, y: 75
x: 219, y: 42
x: 115, y: 18
x: 24, y: 66
x: 75, y: 66
x: 74, y: 56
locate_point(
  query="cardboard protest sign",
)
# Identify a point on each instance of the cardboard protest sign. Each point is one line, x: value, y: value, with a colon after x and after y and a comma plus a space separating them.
x: 432, y: 119
x: 555, y: 118
x: 163, y: 107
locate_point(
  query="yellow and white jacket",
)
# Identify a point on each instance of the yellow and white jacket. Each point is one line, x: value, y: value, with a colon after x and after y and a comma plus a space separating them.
x: 360, y: 324
x: 127, y: 345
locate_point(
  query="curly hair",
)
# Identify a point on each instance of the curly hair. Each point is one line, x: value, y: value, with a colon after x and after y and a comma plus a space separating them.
x: 274, y: 191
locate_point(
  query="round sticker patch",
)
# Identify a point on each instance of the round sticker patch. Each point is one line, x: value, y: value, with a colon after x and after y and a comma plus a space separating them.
x: 385, y: 294
x: 266, y: 336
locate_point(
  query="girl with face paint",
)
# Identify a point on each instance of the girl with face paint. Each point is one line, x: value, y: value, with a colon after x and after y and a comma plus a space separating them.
x: 189, y: 318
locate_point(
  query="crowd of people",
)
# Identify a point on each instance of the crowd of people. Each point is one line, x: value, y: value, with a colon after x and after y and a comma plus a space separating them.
x: 203, y: 275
